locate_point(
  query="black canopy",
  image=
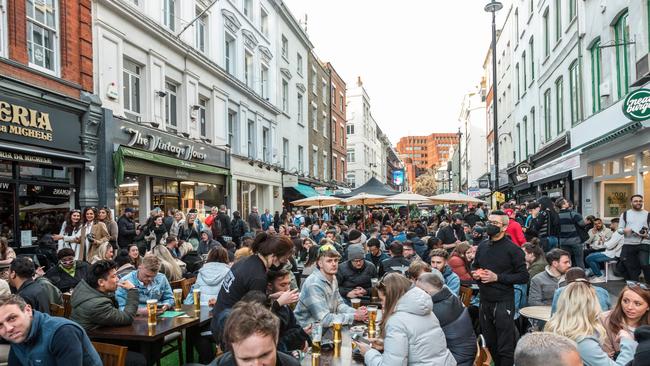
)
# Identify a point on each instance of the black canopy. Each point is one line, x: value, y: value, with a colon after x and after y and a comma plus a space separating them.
x: 373, y: 186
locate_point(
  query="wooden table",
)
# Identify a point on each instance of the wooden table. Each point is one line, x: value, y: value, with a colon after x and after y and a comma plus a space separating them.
x: 148, y: 337
x: 343, y: 356
x: 536, y: 312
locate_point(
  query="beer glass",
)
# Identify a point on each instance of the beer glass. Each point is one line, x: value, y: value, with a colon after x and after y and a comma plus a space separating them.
x: 372, y: 318
x: 316, y: 334
x: 356, y: 303
x: 373, y: 291
x: 336, y: 327
x: 178, y: 299
x: 353, y: 334
x: 197, y: 299
x: 152, y: 307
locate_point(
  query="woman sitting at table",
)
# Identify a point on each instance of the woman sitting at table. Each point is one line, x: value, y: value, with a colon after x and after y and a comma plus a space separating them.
x: 459, y: 263
x: 105, y: 252
x: 134, y: 255
x: 411, y: 331
x: 577, y: 319
x: 168, y: 265
x: 123, y: 263
x: 211, y: 276
x: 7, y: 255
x: 630, y: 312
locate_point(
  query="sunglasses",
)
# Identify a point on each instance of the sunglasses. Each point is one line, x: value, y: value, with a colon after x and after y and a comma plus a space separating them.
x: 636, y: 284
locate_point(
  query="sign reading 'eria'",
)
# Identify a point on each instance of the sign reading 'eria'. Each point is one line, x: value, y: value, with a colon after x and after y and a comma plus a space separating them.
x: 637, y: 105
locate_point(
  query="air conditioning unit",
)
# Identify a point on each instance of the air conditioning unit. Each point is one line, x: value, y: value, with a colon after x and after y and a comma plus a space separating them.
x: 642, y: 71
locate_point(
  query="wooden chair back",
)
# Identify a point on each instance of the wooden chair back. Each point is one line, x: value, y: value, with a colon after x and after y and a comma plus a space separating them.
x: 67, y: 304
x: 57, y: 310
x: 176, y: 284
x: 111, y: 355
x: 483, y: 356
x: 187, y: 286
x: 466, y: 295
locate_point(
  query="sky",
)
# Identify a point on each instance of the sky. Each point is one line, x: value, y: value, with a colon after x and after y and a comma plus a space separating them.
x: 416, y: 58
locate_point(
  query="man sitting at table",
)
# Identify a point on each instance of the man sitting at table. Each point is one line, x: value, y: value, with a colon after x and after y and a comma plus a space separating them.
x: 320, y: 299
x: 39, y: 339
x: 544, y: 284
x: 21, y: 277
x: 93, y: 302
x: 150, y: 284
x: 354, y: 275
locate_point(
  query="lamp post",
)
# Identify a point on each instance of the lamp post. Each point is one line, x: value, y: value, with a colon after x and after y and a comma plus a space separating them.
x: 460, y: 166
x: 492, y: 7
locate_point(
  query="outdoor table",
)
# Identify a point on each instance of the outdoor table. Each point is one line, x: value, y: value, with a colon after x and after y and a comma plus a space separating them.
x: 147, y: 336
x: 536, y: 312
x: 329, y: 358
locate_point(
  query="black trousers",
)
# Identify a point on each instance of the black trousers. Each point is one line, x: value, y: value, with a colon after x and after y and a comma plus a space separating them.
x: 636, y: 258
x: 498, y: 329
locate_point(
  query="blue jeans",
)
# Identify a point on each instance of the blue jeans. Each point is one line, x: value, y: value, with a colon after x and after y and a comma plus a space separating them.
x: 594, y: 260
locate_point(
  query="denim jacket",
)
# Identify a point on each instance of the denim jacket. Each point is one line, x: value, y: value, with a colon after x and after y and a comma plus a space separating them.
x: 158, y: 289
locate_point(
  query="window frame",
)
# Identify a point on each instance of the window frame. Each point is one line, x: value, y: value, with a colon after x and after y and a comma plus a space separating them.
x: 558, y: 20
x: 526, y: 135
x: 573, y: 11
x: 250, y: 139
x: 202, y: 115
x: 201, y: 32
x: 171, y: 88
x: 547, y: 33
x: 285, y: 48
x: 547, y: 114
x: 523, y: 70
x: 350, y: 156
x: 559, y: 102
x: 531, y: 50
x: 264, y: 81
x: 285, y: 153
x: 285, y: 96
x: 300, y: 103
x: 169, y: 19
x: 264, y: 21
x: 621, y: 40
x: 127, y: 83
x: 232, y: 129
x: 55, y: 42
x: 229, y: 53
x: 301, y: 159
x: 249, y: 68
x: 266, y: 144
x: 247, y: 9
x: 575, y: 92
x: 595, y: 53
x: 299, y: 63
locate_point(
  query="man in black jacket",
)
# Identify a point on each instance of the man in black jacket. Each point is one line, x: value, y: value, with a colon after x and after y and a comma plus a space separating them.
x: 453, y: 316
x: 452, y: 234
x: 225, y: 221
x: 499, y: 264
x: 68, y: 272
x: 126, y: 231
x: 354, y: 275
x: 21, y: 277
x: 397, y: 262
x: 292, y: 336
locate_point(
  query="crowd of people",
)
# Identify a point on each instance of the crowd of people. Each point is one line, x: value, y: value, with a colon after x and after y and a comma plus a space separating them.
x: 271, y: 278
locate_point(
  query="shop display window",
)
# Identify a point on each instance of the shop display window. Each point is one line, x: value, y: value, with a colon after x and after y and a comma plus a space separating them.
x: 646, y: 190
x: 41, y: 210
x: 7, y: 210
x: 128, y: 196
x: 44, y: 173
x: 616, y: 198
x: 629, y: 163
x: 165, y: 194
x: 612, y: 167
x: 5, y: 169
x: 645, y: 161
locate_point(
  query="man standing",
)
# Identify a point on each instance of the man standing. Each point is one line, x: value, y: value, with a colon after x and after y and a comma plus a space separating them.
x: 267, y: 219
x: 126, y: 231
x: 635, y: 223
x: 254, y: 222
x: 224, y: 220
x: 354, y: 275
x: 499, y: 265
x: 320, y: 299
x: 150, y: 285
x: 21, y: 277
x: 39, y: 339
x: 544, y: 284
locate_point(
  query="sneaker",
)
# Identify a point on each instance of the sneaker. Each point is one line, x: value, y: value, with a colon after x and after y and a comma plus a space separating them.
x: 600, y: 279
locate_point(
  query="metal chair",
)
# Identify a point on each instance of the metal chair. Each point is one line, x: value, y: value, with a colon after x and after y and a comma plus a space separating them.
x: 466, y: 294
x: 483, y: 356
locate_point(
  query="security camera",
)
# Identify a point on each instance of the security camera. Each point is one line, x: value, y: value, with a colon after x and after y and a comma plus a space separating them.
x: 161, y: 93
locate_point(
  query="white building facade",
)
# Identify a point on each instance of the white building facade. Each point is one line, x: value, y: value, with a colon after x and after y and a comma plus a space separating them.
x: 473, y: 157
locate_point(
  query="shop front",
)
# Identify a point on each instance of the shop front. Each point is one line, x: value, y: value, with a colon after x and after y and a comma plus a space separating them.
x: 523, y: 191
x: 255, y: 184
x: 552, y: 173
x: 41, y: 161
x: 156, y: 169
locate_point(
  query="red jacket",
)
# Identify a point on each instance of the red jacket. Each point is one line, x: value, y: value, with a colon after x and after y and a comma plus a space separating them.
x: 457, y: 265
x: 516, y: 233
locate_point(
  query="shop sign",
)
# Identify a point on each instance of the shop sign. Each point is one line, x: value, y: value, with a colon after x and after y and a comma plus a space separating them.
x: 522, y: 172
x: 159, y: 144
x: 289, y: 180
x: 637, y: 105
x: 25, y: 157
x: 484, y: 184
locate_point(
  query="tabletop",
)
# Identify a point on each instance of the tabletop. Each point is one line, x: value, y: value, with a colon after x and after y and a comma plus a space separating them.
x: 536, y: 312
x: 341, y: 356
x: 139, y: 330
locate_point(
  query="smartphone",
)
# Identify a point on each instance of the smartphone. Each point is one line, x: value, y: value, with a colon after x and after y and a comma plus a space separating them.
x: 360, y: 339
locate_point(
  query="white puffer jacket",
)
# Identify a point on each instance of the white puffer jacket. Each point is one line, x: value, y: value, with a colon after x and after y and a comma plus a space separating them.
x: 413, y: 335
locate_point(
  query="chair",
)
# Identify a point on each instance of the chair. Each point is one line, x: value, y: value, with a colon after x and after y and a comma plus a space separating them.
x: 186, y: 285
x: 111, y: 355
x: 176, y: 284
x: 483, y: 356
x: 609, y: 271
x: 171, y: 343
x: 67, y: 304
x: 57, y: 310
x: 466, y: 295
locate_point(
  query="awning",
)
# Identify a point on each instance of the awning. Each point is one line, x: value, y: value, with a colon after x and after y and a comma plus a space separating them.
x: 608, y: 137
x: 560, y: 165
x: 35, y: 150
x: 306, y: 190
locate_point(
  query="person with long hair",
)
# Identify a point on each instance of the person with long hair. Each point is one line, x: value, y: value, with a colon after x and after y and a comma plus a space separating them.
x: 7, y: 255
x: 546, y: 223
x: 310, y: 261
x: 458, y: 262
x: 631, y: 311
x: 168, y: 265
x: 105, y: 252
x: 134, y: 255
x: 577, y: 319
x: 156, y: 233
x: 411, y: 331
x: 105, y: 215
x: 93, y: 233
x: 179, y: 221
x: 211, y: 276
x: 68, y: 237
x: 535, y: 259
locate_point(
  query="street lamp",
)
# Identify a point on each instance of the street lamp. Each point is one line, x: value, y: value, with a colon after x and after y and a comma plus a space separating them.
x: 493, y: 7
x: 460, y: 167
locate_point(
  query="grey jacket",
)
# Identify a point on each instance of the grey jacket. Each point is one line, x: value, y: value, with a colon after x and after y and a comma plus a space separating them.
x: 413, y: 335
x: 593, y: 355
x: 542, y: 288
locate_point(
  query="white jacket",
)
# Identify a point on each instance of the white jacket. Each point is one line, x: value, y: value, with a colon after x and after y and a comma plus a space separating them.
x: 413, y: 335
x: 614, y: 245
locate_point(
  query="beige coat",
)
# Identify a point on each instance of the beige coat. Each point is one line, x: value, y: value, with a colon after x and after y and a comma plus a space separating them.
x: 101, y: 235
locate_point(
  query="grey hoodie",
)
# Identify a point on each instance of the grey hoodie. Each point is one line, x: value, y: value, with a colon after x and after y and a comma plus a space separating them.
x: 206, y: 246
x: 413, y: 335
x: 209, y: 281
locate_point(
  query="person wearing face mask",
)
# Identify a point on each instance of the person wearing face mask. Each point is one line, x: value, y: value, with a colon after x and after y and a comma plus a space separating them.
x: 452, y: 234
x: 499, y: 265
x: 67, y: 274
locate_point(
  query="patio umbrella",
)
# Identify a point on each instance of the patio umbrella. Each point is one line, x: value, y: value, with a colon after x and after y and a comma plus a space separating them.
x: 454, y: 197
x: 323, y: 206
x: 319, y: 201
x: 363, y: 199
x: 407, y: 198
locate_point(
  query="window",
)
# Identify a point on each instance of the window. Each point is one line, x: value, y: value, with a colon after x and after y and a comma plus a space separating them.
x: 131, y: 89
x: 559, y: 104
x: 596, y: 74
x: 232, y: 128
x: 229, y: 52
x: 622, y: 32
x: 351, y: 156
x: 264, y: 81
x: 352, y: 182
x: 574, y: 87
x: 526, y: 135
x: 342, y: 137
x: 248, y: 69
x: 314, y: 163
x: 285, y: 153
x: 350, y: 129
x: 171, y: 117
x: 299, y: 64
x: 301, y: 158
x: 532, y: 122
x: 300, y: 108
x: 264, y: 22
x: 169, y: 16
x: 42, y: 34
x: 325, y: 171
x: 523, y: 70
x: 314, y: 80
x: 517, y: 26
x: 519, y: 142
x: 314, y: 118
x: 572, y: 9
x: 250, y: 139
x: 324, y: 84
x: 341, y: 102
x: 3, y: 29
x: 518, y: 81
x: 266, y: 156
x: 325, y: 124
x: 248, y: 8
x: 285, y: 47
x: 531, y: 6
x: 531, y: 57
x: 547, y: 114
x: 200, y: 31
x: 203, y: 106
x: 335, y: 165
x: 285, y: 96
x: 547, y: 35
x: 558, y: 20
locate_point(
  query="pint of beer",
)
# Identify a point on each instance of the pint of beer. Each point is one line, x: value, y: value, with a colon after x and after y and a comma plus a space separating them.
x: 178, y: 299
x: 336, y: 327
x: 373, y: 291
x: 316, y: 334
x: 356, y: 303
x: 372, y: 317
x: 197, y: 299
x: 152, y: 307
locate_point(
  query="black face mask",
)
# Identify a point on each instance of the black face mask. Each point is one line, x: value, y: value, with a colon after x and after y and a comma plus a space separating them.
x: 275, y: 268
x: 492, y: 230
x: 457, y: 226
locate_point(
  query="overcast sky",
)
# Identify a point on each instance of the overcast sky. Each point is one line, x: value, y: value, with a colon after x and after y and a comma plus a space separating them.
x: 417, y: 58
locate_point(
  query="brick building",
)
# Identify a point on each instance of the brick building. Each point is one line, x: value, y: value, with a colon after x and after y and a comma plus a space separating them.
x: 337, y: 116
x: 420, y: 153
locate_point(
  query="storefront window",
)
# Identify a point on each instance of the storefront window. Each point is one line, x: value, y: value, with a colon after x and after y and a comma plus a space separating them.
x: 246, y: 197
x: 201, y: 196
x: 646, y: 190
x: 598, y: 170
x: 5, y: 169
x: 646, y: 159
x: 128, y: 196
x: 617, y: 198
x: 44, y: 173
x: 629, y: 162
x: 612, y: 167
x: 42, y: 210
x: 165, y: 194
x: 7, y: 210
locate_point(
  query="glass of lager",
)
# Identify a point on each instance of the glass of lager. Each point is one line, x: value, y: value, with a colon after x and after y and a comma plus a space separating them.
x: 152, y: 307
x: 336, y: 328
x: 372, y: 318
x: 316, y: 334
x: 197, y: 299
x: 356, y: 303
x: 178, y: 299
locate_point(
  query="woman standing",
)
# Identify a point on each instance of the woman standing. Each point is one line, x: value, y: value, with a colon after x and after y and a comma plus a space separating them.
x: 156, y: 233
x: 68, y: 237
x: 412, y: 334
x: 7, y: 255
x: 106, y: 216
x: 577, y: 319
x: 546, y: 223
x: 631, y: 311
x: 179, y: 221
x: 237, y: 228
x: 93, y: 234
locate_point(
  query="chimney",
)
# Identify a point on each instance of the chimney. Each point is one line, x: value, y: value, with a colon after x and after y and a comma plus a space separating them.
x: 359, y: 82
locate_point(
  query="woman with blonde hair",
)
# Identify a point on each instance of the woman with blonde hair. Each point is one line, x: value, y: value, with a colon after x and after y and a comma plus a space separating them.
x: 179, y: 220
x: 168, y: 265
x: 106, y: 216
x: 105, y: 252
x: 577, y: 319
x: 412, y: 333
